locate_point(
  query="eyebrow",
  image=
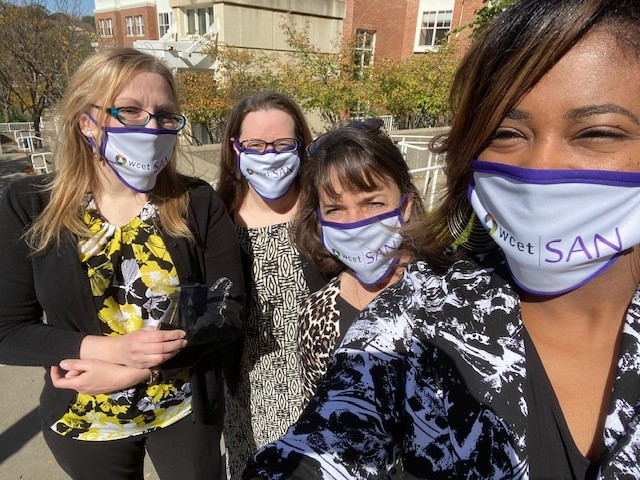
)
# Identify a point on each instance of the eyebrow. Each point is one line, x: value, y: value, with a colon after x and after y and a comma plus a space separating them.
x: 578, y: 113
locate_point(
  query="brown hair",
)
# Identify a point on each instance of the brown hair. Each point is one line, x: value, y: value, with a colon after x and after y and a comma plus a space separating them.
x: 232, y: 186
x: 98, y: 81
x: 501, y: 66
x: 363, y: 161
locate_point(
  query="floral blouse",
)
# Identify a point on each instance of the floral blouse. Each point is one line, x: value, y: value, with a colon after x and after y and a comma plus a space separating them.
x: 134, y: 284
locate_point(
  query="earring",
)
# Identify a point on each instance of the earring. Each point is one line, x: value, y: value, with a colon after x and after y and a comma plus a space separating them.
x: 89, y: 133
x: 465, y: 227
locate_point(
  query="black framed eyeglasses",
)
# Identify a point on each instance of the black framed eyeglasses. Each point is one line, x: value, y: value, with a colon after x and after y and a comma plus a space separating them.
x: 137, y: 117
x: 257, y: 146
x: 372, y: 125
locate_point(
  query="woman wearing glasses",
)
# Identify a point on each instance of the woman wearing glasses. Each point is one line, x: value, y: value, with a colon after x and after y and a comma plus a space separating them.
x: 262, y: 154
x: 356, y: 195
x: 101, y: 247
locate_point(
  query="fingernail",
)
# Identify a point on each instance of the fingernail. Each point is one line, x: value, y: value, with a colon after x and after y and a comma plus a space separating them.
x: 64, y: 364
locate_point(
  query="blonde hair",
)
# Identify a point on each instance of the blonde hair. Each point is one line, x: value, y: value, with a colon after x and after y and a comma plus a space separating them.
x: 98, y: 82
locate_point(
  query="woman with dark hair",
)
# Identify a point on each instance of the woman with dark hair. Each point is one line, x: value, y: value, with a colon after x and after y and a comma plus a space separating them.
x: 356, y: 195
x: 262, y: 154
x: 517, y: 357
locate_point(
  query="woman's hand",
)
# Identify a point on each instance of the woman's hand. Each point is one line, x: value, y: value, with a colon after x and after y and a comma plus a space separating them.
x: 92, y: 377
x: 144, y: 348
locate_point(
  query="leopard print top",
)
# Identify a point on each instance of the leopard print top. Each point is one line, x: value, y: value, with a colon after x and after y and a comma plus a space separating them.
x: 318, y: 331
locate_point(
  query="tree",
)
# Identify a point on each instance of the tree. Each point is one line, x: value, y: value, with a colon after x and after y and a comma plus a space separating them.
x: 485, y: 15
x: 38, y: 53
x: 208, y: 97
x: 415, y: 90
x: 331, y: 83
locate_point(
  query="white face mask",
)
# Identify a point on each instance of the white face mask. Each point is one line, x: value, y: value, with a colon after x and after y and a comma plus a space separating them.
x: 558, y: 229
x: 366, y: 247
x: 270, y: 174
x: 137, y: 154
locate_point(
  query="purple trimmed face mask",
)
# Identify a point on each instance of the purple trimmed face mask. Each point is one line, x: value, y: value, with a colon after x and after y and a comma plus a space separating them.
x: 270, y: 173
x: 558, y: 229
x: 137, y: 154
x: 366, y: 247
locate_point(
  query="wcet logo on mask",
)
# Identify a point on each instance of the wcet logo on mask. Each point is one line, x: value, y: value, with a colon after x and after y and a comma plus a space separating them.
x: 558, y: 229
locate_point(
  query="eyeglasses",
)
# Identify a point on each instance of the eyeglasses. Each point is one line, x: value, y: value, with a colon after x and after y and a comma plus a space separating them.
x: 373, y: 125
x: 281, y: 145
x: 137, y: 117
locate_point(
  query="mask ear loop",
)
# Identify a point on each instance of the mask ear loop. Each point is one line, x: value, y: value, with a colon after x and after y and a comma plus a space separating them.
x: 89, y: 138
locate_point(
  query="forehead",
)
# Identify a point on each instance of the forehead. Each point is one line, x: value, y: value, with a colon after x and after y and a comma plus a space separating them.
x: 334, y: 186
x: 147, y: 87
x: 596, y: 71
x: 267, y: 125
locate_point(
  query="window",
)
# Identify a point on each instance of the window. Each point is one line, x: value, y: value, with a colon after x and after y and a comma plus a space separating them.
x: 101, y: 30
x: 109, y: 29
x: 365, y: 44
x: 129, y: 24
x: 139, y: 25
x: 164, y: 23
x: 435, y: 26
x: 199, y: 20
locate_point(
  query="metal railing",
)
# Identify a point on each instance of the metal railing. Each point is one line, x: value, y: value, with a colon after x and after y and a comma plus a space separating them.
x: 16, y: 126
x: 424, y: 165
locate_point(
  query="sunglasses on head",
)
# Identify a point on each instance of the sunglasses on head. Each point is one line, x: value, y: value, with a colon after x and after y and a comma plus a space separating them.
x: 373, y: 125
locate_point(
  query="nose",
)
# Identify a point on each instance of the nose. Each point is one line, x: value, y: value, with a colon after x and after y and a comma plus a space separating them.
x: 153, y: 122
x: 544, y: 153
x: 353, y: 215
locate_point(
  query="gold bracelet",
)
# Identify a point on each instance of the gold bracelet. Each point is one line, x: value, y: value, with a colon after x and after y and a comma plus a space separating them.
x: 154, y: 375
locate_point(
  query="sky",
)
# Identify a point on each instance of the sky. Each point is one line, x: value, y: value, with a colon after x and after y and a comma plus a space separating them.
x: 86, y: 6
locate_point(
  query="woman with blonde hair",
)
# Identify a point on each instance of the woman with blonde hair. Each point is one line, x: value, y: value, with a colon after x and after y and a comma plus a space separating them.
x: 136, y: 270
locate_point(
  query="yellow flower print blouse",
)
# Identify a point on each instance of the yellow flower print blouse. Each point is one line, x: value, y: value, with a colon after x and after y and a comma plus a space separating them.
x: 134, y: 283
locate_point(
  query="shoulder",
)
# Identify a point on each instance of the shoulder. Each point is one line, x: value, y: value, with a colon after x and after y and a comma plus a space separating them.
x: 27, y: 196
x: 423, y: 300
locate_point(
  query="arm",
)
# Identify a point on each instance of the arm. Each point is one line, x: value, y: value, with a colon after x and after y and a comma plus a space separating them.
x: 354, y: 423
x: 24, y: 338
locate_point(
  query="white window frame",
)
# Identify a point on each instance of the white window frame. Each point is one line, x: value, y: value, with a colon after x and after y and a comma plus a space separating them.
x: 139, y: 25
x: 101, y: 30
x: 164, y: 23
x: 196, y: 15
x: 128, y: 21
x: 109, y: 31
x: 442, y: 24
x: 365, y: 44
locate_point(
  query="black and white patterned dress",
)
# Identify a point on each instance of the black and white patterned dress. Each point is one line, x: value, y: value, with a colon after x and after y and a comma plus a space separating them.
x: 430, y: 383
x: 268, y: 396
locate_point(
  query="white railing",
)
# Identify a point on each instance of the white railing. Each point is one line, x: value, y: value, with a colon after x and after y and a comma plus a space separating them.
x: 423, y: 164
x: 16, y: 126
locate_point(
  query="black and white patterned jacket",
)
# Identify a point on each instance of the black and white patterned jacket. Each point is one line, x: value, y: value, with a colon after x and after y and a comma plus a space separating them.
x: 432, y: 375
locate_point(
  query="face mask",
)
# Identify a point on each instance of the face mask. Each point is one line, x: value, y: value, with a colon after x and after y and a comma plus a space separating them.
x: 366, y: 247
x: 137, y: 154
x: 270, y: 174
x: 558, y: 229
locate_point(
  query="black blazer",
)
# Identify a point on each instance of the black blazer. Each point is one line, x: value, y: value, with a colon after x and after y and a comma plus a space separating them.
x: 56, y: 284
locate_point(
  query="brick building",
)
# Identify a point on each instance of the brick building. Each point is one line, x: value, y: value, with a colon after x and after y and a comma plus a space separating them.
x: 381, y: 28
x: 400, y: 28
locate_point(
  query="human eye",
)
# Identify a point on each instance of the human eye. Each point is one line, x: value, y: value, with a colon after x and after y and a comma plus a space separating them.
x: 132, y: 111
x: 169, y: 120
x: 254, y: 146
x: 602, y: 133
x: 285, y: 144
